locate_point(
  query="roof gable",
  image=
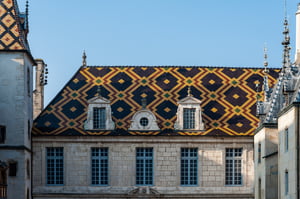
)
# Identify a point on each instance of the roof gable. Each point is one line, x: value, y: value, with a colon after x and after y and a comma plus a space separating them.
x: 228, y: 98
x: 189, y: 100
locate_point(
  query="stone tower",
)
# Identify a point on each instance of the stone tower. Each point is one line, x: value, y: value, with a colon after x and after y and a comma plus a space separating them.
x: 16, y: 82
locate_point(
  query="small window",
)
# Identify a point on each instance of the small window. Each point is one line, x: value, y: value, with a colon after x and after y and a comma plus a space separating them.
x: 28, y: 82
x: 99, y: 166
x: 55, y: 165
x: 189, y: 118
x: 233, y: 173
x: 189, y: 166
x: 286, y: 139
x: 99, y: 118
x: 144, y: 166
x: 12, y: 169
x: 259, y: 153
x: 259, y: 188
x: 2, y: 134
x: 144, y: 121
x: 286, y: 177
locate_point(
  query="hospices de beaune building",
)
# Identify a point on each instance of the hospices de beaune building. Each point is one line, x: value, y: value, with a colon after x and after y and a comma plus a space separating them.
x: 146, y: 131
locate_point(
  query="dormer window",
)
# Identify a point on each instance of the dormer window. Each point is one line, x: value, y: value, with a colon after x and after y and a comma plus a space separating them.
x: 99, y: 118
x: 189, y: 118
x: 189, y: 114
x: 99, y: 115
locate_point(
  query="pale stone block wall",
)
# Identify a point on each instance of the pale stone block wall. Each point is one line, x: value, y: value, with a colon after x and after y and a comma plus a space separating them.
x: 267, y: 169
x: 287, y: 159
x: 122, y: 156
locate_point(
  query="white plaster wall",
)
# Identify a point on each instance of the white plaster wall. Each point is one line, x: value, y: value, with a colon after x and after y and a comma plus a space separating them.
x: 211, y: 164
x: 287, y: 159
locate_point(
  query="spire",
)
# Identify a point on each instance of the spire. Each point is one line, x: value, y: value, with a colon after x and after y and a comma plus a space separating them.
x: 13, y: 25
x: 266, y: 80
x: 286, y: 63
x: 84, y: 59
x: 297, y: 48
x: 26, y: 17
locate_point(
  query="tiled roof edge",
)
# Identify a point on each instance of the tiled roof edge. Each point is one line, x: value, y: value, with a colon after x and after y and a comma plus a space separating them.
x: 177, y: 66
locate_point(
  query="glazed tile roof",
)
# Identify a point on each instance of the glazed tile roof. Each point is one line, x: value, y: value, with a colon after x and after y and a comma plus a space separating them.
x: 228, y: 98
x: 12, y: 27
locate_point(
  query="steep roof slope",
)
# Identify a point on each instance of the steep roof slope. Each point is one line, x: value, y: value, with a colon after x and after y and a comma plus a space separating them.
x: 228, y: 98
x: 13, y: 27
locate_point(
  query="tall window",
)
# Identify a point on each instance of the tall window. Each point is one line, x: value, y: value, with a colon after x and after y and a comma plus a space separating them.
x: 99, y: 118
x: 144, y: 166
x: 55, y: 165
x: 259, y: 153
x: 189, y: 118
x: 286, y: 181
x: 233, y: 166
x: 2, y: 134
x: 286, y: 139
x: 189, y: 166
x: 99, y: 166
x: 259, y: 188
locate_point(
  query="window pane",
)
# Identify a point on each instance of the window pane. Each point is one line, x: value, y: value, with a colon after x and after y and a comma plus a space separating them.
x: 189, y: 166
x: 233, y: 171
x: 100, y: 166
x: 99, y: 118
x: 55, y: 166
x: 189, y: 118
x: 144, y: 166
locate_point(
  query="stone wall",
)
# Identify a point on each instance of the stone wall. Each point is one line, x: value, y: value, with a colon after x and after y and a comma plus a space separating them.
x: 77, y: 170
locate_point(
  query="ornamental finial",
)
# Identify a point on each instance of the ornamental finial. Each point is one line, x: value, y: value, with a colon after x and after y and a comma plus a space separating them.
x: 84, y: 59
x: 98, y: 91
x: 144, y: 103
x: 189, y: 91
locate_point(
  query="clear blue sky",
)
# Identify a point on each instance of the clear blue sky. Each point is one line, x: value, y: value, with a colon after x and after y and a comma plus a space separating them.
x: 228, y: 33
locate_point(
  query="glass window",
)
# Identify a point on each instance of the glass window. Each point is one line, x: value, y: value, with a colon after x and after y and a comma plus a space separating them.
x: 55, y: 165
x: 99, y: 118
x: 189, y: 118
x: 144, y: 166
x: 259, y: 153
x: 233, y: 172
x: 99, y: 166
x: 2, y: 134
x: 189, y: 166
x: 286, y: 182
x: 144, y: 121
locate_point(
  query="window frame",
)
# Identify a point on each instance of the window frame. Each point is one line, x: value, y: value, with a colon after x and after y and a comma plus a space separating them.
x: 286, y: 182
x: 286, y: 139
x: 55, y: 157
x: 99, y: 122
x: 232, y: 170
x: 259, y: 153
x: 144, y: 159
x: 100, y: 157
x: 189, y: 159
x: 189, y: 118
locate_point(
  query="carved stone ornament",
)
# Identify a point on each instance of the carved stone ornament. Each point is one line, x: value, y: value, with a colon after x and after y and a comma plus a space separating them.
x: 144, y: 120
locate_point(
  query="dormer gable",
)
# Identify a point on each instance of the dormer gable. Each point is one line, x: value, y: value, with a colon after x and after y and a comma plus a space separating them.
x: 189, y: 114
x: 99, y: 116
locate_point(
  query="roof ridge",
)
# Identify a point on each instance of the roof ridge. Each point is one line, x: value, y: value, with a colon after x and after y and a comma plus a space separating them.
x: 177, y: 66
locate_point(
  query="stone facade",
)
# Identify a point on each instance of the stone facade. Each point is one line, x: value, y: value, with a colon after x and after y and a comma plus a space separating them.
x: 266, y: 165
x: 122, y: 164
x: 16, y: 116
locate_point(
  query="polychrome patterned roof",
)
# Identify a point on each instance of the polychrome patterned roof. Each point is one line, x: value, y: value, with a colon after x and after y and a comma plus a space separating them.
x: 12, y: 32
x: 228, y: 98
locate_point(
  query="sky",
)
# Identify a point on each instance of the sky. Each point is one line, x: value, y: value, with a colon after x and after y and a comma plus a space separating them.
x: 220, y: 33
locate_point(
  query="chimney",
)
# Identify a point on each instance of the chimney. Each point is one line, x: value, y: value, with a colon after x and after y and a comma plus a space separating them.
x: 40, y: 81
x: 297, y: 49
